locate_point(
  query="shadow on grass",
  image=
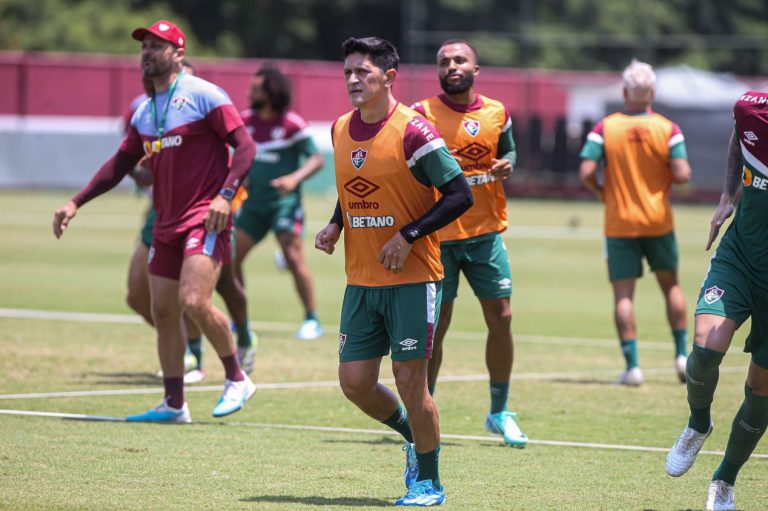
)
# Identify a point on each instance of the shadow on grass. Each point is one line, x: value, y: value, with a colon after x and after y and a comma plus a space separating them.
x: 320, y: 501
x: 123, y: 378
x: 387, y: 440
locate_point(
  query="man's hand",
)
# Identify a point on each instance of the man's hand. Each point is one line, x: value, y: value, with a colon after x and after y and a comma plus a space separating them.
x: 327, y: 238
x: 61, y: 218
x: 394, y: 252
x: 284, y: 184
x: 218, y: 215
x: 501, y: 169
x: 724, y: 210
x: 141, y: 175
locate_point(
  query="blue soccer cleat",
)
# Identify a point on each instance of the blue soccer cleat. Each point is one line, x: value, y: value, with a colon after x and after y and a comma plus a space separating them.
x: 235, y: 395
x: 503, y: 423
x: 411, y: 465
x: 422, y: 493
x: 163, y: 413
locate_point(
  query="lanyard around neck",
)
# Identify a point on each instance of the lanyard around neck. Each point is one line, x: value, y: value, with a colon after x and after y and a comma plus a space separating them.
x: 160, y: 127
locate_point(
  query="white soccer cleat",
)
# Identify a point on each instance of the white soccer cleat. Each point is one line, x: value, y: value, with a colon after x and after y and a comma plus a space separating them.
x: 631, y: 378
x: 682, y: 455
x: 235, y: 395
x: 194, y: 376
x: 720, y: 496
x: 309, y: 330
x: 680, y: 362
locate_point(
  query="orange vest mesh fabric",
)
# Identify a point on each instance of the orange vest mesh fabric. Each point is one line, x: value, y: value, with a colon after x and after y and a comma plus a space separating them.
x: 379, y: 199
x: 489, y: 212
x: 637, y: 175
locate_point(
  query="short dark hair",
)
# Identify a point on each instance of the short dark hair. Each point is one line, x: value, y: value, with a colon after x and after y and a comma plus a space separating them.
x: 186, y: 63
x: 461, y: 41
x: 382, y: 53
x: 277, y: 86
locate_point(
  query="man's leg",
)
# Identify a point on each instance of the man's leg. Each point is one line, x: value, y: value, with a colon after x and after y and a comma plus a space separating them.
x: 166, y: 313
x: 291, y: 246
x: 675, y: 303
x: 411, y: 381
x: 624, y: 318
x: 712, y: 337
x: 446, y: 312
x: 233, y: 292
x: 138, y: 297
x: 199, y: 274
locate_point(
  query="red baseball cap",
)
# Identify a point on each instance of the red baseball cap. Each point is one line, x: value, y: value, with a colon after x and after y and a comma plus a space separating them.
x: 165, y: 30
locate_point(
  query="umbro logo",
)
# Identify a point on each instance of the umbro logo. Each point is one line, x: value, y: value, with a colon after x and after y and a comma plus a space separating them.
x: 505, y: 283
x: 409, y: 344
x: 750, y: 135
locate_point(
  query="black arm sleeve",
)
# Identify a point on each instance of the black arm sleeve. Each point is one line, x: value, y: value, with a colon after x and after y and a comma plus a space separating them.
x: 337, y: 218
x: 242, y: 158
x: 456, y: 199
x: 108, y: 176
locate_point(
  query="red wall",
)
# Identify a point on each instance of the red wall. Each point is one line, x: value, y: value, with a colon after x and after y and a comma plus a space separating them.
x: 101, y: 85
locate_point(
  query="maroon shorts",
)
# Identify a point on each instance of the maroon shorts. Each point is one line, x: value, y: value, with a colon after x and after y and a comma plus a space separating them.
x: 166, y: 256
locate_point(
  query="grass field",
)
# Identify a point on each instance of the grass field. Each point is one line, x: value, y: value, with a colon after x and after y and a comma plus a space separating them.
x: 299, y: 445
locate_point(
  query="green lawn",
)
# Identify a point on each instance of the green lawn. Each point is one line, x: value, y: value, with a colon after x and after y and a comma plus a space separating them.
x: 274, y: 454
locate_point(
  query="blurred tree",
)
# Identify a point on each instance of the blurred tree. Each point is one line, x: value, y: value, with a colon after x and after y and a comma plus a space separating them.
x: 572, y: 34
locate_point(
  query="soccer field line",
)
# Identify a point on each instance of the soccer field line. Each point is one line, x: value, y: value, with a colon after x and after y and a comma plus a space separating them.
x: 320, y: 384
x: 272, y: 326
x: 363, y: 431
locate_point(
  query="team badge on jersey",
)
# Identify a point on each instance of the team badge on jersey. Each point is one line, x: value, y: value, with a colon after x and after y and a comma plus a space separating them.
x: 178, y: 103
x: 472, y: 127
x: 277, y: 133
x: 713, y: 294
x: 358, y: 157
x: 342, y: 342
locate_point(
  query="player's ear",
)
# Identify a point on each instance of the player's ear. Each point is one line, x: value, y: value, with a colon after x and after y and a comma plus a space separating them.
x: 389, y: 77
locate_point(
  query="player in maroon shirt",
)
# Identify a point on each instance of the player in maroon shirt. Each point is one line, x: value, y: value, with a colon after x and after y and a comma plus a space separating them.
x: 184, y: 128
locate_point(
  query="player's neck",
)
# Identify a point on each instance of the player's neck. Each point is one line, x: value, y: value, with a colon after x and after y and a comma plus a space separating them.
x: 642, y: 106
x: 164, y: 82
x: 463, y: 98
x: 267, y: 114
x: 378, y: 110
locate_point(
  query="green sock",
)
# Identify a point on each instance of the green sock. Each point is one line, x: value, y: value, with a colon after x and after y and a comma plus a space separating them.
x: 429, y: 467
x: 681, y: 341
x: 243, y: 336
x: 629, y: 349
x: 702, y: 372
x: 399, y: 422
x: 195, y: 346
x: 499, y: 394
x: 311, y: 315
x: 747, y: 428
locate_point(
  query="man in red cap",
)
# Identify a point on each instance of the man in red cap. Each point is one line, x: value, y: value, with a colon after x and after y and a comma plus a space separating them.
x: 183, y: 128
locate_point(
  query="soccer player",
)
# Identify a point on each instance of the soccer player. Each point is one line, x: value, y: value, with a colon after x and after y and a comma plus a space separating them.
x: 184, y: 128
x: 138, y: 276
x: 735, y: 288
x: 388, y: 161
x: 478, y: 131
x: 644, y: 153
x: 274, y: 185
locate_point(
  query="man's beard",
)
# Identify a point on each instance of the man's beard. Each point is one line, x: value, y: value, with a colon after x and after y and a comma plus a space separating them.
x: 155, y: 69
x: 459, y: 87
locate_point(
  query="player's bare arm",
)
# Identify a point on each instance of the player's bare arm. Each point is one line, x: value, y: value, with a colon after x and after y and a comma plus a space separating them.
x: 501, y: 168
x: 729, y: 196
x: 681, y: 170
x: 588, y: 176
x: 288, y: 183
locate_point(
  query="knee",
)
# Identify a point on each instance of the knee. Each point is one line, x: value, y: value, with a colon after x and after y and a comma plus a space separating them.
x: 410, y: 384
x: 193, y: 303
x: 355, y: 389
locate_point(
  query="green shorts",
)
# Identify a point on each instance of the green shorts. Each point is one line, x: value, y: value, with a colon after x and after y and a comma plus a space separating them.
x: 149, y: 224
x: 625, y: 255
x: 375, y: 319
x: 284, y: 217
x: 729, y: 292
x: 485, y: 263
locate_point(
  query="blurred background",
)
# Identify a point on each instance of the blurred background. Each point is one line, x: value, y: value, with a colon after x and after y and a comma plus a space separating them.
x: 69, y: 69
